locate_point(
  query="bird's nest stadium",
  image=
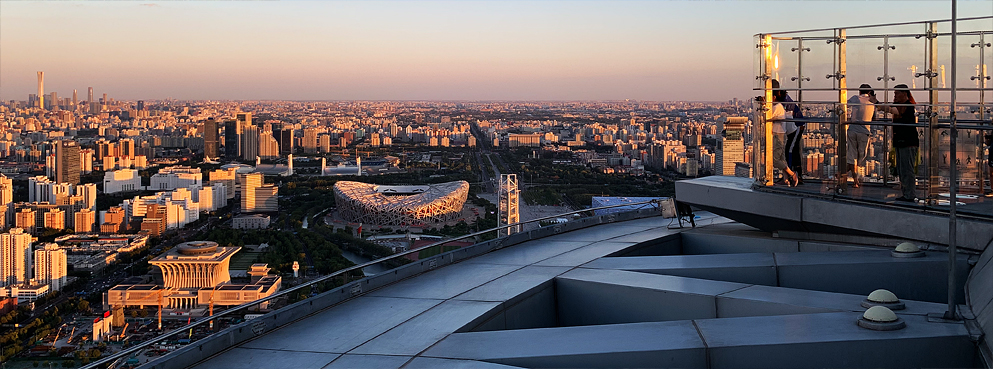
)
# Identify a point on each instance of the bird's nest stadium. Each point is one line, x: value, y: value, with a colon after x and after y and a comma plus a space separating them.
x: 400, y: 206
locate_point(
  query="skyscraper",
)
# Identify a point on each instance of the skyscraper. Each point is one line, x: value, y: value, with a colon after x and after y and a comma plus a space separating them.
x: 89, y: 96
x: 67, y: 162
x: 248, y: 186
x: 249, y: 142
x: 286, y: 140
x: 75, y: 101
x: 41, y: 90
x: 50, y: 266
x: 6, y: 201
x: 268, y: 145
x: 210, y: 138
x: 15, y: 257
x: 232, y: 139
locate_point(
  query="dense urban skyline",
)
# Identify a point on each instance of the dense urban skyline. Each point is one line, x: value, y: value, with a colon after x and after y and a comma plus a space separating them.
x: 546, y: 50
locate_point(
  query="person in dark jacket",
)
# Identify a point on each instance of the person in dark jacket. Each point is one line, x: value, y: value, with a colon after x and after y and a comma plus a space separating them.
x: 905, y: 140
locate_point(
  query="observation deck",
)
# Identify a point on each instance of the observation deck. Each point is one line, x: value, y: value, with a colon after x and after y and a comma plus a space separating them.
x: 770, y: 276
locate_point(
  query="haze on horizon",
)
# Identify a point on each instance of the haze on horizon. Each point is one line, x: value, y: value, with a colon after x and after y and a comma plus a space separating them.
x: 412, y: 50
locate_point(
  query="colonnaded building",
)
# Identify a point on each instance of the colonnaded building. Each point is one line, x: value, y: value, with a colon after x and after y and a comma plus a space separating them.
x: 400, y: 205
x: 195, y: 274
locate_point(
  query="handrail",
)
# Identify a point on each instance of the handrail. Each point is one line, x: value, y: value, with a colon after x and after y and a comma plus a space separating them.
x: 147, y: 343
x: 878, y: 25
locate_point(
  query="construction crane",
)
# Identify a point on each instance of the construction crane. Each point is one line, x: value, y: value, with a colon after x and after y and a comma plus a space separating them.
x: 57, y: 334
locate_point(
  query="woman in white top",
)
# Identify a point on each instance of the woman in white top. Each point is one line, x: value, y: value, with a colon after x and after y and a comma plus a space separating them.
x: 778, y: 116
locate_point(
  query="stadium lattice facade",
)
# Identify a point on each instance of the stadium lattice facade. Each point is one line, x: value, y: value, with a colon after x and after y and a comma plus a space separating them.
x: 399, y: 206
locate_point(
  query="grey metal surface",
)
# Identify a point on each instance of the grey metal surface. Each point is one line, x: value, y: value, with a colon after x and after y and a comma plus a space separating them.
x: 861, y: 272
x: 695, y: 243
x: 765, y: 300
x: 833, y: 340
x: 514, y: 285
x: 751, y: 268
x: 636, y: 345
x: 529, y: 253
x: 350, y: 361
x: 593, y: 296
x: 586, y: 254
x: 344, y: 327
x: 243, y: 358
x: 435, y: 363
x: 419, y: 333
x: 980, y: 296
x: 447, y: 282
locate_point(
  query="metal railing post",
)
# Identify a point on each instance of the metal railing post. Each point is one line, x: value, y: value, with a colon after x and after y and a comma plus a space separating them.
x: 952, y: 176
x: 842, y: 127
x: 933, y: 136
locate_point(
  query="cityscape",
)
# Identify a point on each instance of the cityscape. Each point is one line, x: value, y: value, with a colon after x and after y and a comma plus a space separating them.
x: 128, y: 214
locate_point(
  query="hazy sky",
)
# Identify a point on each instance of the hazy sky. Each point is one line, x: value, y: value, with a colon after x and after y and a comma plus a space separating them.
x: 412, y: 50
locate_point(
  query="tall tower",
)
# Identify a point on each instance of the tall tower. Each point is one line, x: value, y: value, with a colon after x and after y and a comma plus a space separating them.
x: 509, y: 207
x: 232, y: 139
x: 41, y: 90
x: 67, y: 162
x: 89, y: 96
x: 74, y: 98
x: 210, y: 139
x: 15, y: 257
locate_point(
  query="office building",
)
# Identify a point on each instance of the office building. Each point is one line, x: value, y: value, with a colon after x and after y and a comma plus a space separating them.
x: 266, y: 198
x: 50, y: 266
x: 210, y: 142
x: 268, y: 145
x: 232, y: 139
x: 67, y: 166
x: 249, y: 184
x: 171, y: 178
x: 15, y: 257
x: 285, y: 140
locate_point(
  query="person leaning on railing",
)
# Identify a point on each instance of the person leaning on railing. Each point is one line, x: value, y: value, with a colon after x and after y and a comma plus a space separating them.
x: 905, y: 140
x: 780, y: 128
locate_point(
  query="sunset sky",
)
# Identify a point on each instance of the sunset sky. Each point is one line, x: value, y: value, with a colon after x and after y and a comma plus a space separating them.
x: 412, y: 50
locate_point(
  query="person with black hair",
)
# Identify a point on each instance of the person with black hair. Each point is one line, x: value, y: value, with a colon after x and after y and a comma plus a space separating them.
x: 781, y: 126
x: 862, y: 109
x: 905, y: 140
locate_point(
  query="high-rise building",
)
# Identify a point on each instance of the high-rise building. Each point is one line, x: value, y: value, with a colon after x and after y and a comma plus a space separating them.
x: 25, y: 219
x: 55, y: 219
x: 67, y: 162
x: 730, y: 146
x: 210, y: 138
x: 310, y: 140
x: 232, y: 139
x: 41, y: 90
x: 127, y: 148
x: 50, y: 266
x: 509, y: 204
x: 286, y: 140
x: 250, y: 183
x: 84, y: 221
x: 6, y: 201
x: 268, y: 145
x: 266, y: 198
x: 250, y: 143
x: 15, y: 257
x: 75, y: 100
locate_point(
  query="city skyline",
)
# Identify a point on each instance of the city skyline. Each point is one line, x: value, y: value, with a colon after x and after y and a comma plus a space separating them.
x: 653, y: 50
